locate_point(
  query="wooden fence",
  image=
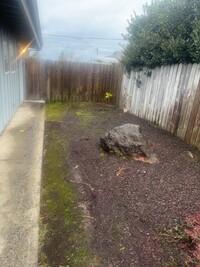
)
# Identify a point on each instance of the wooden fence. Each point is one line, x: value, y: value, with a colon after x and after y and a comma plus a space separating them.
x: 72, y: 81
x: 168, y: 96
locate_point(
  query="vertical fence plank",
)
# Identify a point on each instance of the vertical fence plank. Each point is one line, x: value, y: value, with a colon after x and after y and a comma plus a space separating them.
x: 72, y: 81
x: 194, y: 120
x: 169, y: 97
x: 184, y: 117
x: 47, y: 81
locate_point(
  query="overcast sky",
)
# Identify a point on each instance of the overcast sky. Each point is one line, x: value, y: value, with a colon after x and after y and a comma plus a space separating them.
x: 85, y: 18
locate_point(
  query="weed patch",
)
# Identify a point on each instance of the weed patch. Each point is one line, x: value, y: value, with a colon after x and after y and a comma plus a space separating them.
x: 181, y: 242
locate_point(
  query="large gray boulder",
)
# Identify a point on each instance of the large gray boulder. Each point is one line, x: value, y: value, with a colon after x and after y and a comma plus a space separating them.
x: 127, y: 140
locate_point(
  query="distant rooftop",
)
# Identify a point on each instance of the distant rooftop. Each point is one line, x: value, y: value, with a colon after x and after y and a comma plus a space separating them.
x: 106, y: 60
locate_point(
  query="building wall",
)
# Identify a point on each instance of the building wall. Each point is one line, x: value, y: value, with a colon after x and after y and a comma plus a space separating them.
x: 11, y: 79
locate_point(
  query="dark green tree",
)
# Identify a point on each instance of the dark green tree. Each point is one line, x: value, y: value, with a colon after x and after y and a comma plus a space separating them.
x: 168, y: 32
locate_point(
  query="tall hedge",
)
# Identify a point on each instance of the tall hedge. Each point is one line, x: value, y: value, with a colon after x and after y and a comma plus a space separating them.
x: 168, y: 32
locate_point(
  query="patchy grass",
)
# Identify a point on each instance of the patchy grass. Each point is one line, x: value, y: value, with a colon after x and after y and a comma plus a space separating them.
x: 55, y: 111
x: 116, y: 231
x: 85, y: 116
x: 63, y: 240
x: 181, y: 242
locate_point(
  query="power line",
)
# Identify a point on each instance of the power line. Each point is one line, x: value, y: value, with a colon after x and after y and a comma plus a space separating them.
x: 92, y: 46
x: 78, y: 38
x: 83, y: 38
x: 73, y: 45
x: 60, y: 45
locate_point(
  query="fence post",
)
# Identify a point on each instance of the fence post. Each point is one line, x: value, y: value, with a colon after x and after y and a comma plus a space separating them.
x: 47, y: 76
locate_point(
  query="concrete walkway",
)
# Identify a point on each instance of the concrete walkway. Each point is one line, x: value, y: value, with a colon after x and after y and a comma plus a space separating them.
x: 21, y: 146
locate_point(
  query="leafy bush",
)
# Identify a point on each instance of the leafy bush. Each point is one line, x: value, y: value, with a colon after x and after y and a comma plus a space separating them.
x: 167, y: 33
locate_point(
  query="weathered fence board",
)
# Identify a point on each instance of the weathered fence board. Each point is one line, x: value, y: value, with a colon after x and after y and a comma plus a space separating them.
x: 168, y: 96
x: 72, y: 81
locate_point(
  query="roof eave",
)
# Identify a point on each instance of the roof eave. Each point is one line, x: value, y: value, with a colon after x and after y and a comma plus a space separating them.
x: 36, y: 31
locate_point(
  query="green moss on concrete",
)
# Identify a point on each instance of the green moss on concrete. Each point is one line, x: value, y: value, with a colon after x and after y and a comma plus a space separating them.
x: 55, y: 111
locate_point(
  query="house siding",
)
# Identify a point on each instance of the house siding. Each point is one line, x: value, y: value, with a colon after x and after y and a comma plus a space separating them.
x: 11, y: 79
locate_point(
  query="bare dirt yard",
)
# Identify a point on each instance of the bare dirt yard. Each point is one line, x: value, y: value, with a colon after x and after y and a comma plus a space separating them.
x: 104, y: 210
